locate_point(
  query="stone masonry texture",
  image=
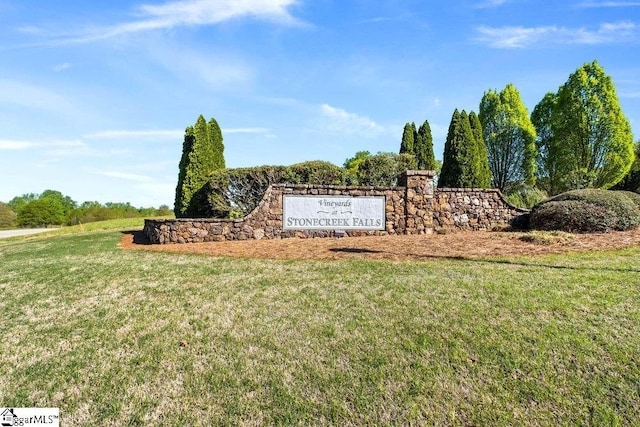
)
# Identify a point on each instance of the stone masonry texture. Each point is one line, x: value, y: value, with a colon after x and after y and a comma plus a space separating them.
x: 414, y: 207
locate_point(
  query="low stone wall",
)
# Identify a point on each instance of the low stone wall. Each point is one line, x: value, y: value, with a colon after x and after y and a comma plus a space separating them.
x: 472, y: 209
x: 265, y: 222
x: 412, y: 208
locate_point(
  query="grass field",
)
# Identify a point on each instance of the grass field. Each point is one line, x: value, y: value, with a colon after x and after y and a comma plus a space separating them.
x: 116, y: 337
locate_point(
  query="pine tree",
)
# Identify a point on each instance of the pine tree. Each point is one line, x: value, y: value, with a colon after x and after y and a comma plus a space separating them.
x: 482, y: 170
x: 409, y: 135
x: 202, y: 153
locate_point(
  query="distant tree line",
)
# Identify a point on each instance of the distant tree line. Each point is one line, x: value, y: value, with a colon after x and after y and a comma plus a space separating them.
x: 52, y: 208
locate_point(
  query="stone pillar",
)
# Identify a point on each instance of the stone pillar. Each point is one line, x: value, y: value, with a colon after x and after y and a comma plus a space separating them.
x: 418, y: 201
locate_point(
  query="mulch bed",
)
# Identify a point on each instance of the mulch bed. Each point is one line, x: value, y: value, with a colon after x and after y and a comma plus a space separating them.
x: 458, y: 245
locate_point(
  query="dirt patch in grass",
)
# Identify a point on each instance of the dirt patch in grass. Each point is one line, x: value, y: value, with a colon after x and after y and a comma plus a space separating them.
x: 463, y: 245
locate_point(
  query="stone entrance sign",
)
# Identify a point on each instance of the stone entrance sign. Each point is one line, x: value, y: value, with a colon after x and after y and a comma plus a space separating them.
x: 333, y: 213
x: 306, y: 211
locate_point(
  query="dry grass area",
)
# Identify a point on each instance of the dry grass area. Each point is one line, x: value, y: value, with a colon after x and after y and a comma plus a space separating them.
x: 461, y: 245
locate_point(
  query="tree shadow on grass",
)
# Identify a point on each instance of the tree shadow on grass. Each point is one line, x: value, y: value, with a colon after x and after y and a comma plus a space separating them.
x: 560, y: 267
x: 521, y: 263
x: 139, y: 238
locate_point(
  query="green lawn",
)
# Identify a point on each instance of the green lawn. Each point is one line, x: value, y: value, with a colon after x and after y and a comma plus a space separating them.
x: 139, y: 338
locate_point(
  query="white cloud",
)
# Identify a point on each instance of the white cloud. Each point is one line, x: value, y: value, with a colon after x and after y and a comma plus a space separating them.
x: 169, y: 134
x: 491, y: 3
x: 6, y: 144
x: 122, y: 175
x: 126, y: 134
x: 61, y: 67
x: 245, y: 130
x: 596, y: 4
x: 521, y: 37
x: 15, y: 145
x: 190, y: 13
x: 340, y: 120
x: 15, y: 93
x: 216, y: 70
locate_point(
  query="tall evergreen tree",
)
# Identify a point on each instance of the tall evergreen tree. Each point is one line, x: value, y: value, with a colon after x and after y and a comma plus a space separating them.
x: 463, y: 157
x: 482, y: 170
x: 450, y: 172
x: 509, y: 136
x: 202, y: 153
x: 409, y: 136
x: 591, y: 140
x: 215, y: 136
x: 424, y: 148
x: 467, y: 154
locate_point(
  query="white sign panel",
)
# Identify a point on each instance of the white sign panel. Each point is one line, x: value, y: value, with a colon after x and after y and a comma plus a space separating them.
x: 333, y: 213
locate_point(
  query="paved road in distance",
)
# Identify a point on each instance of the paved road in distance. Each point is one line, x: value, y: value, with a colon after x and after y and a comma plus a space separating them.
x: 12, y: 233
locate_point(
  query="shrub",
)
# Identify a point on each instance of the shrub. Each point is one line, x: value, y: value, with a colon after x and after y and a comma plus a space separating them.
x: 7, y: 216
x: 586, y: 211
x: 635, y: 197
x: 524, y: 196
x: 234, y: 193
x: 318, y: 172
x: 41, y: 213
x: 547, y: 237
x: 383, y: 169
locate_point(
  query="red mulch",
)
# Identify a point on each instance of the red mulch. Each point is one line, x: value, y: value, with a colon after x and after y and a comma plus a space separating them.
x: 464, y: 245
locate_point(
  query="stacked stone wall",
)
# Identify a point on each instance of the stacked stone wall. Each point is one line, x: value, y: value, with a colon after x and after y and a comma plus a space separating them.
x: 412, y: 208
x: 472, y: 209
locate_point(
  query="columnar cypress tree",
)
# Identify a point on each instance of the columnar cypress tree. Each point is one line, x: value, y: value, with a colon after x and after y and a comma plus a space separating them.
x: 215, y: 136
x: 409, y: 135
x: 467, y: 153
x: 202, y: 153
x: 462, y: 165
x: 482, y: 170
x: 451, y: 169
x: 424, y: 148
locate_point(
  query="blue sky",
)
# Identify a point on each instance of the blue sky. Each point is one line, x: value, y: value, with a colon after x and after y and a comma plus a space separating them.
x: 95, y: 95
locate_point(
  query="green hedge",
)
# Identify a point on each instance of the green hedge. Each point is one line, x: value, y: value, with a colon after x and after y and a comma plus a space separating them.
x: 234, y: 193
x: 586, y: 211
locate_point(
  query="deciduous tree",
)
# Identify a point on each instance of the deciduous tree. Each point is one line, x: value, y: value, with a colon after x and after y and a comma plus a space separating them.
x: 18, y: 202
x: 591, y: 142
x: 509, y: 136
x: 41, y: 213
x: 7, y: 216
